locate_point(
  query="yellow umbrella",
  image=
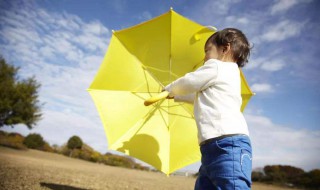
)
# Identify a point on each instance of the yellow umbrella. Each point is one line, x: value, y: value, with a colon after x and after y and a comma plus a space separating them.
x: 140, y: 61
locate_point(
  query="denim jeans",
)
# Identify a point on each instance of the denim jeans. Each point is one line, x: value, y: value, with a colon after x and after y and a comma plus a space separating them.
x: 226, y: 164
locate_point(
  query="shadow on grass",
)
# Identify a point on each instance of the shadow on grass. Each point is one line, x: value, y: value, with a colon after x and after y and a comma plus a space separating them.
x: 59, y: 186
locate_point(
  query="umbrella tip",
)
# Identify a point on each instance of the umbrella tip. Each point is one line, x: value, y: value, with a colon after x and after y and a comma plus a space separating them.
x: 113, y: 31
x: 171, y: 8
x: 212, y: 28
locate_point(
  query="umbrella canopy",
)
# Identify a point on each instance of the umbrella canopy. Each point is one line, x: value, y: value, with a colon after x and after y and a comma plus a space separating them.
x: 140, y: 61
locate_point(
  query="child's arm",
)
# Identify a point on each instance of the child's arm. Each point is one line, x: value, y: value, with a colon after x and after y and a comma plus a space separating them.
x: 195, y: 81
x: 185, y: 98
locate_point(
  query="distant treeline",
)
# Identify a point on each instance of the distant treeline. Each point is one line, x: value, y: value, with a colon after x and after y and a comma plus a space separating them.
x: 74, y: 148
x: 288, y: 176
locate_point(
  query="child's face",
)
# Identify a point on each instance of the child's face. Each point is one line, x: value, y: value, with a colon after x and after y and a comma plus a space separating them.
x: 212, y: 52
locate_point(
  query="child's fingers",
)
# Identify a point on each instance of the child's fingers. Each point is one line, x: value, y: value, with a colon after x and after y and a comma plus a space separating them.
x: 156, y: 98
x: 170, y: 97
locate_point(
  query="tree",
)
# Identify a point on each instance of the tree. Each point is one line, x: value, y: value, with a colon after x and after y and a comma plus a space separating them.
x: 283, y: 174
x: 18, y: 98
x: 310, y: 179
x: 75, y: 142
x: 314, y: 179
x: 34, y: 141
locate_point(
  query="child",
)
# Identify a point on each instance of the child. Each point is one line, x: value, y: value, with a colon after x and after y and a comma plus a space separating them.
x: 215, y: 90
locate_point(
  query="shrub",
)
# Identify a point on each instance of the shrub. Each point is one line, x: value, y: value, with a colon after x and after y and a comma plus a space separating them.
x: 141, y: 167
x: 311, y: 179
x: 96, y: 157
x: 56, y: 149
x: 85, y: 155
x: 34, y: 141
x: 65, y: 150
x: 47, y: 148
x: 12, y: 140
x: 257, y: 176
x: 75, y: 142
x: 3, y: 133
x: 116, y: 160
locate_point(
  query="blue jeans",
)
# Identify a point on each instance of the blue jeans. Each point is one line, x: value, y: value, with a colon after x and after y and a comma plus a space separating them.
x: 226, y: 164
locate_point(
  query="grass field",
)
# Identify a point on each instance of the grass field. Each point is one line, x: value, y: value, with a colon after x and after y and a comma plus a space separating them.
x: 34, y: 170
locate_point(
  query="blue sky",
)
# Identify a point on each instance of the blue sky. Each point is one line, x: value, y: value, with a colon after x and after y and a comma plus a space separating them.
x: 62, y: 44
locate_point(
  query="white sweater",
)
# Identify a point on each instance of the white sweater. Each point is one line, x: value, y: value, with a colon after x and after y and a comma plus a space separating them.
x: 215, y: 90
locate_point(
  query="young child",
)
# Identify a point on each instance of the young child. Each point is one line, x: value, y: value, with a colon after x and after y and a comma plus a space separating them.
x: 215, y: 90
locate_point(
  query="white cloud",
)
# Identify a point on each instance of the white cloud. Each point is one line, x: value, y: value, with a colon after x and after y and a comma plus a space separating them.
x: 273, y: 65
x: 146, y: 15
x: 64, y: 53
x: 120, y: 6
x: 218, y: 7
x: 255, y: 63
x: 95, y: 28
x: 237, y: 20
x: 261, y: 87
x: 278, y: 144
x: 282, y: 31
x: 284, y: 5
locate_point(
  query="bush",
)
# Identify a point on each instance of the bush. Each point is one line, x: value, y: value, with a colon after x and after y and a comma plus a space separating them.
x: 47, y: 148
x: 12, y: 140
x: 116, y: 160
x: 64, y: 150
x: 56, y: 149
x: 3, y: 133
x: 311, y: 179
x: 75, y: 142
x: 141, y: 167
x: 96, y: 157
x: 282, y: 174
x: 257, y: 176
x: 292, y: 176
x: 34, y: 141
x: 85, y: 155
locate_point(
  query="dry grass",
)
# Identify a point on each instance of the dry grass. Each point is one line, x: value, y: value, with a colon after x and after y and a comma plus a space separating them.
x: 31, y: 169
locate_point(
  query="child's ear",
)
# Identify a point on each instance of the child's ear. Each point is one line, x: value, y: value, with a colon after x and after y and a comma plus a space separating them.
x: 226, y: 48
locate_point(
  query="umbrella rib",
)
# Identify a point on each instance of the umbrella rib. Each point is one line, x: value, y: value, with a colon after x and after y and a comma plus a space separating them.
x: 167, y: 124
x: 146, y: 68
x: 143, y: 66
x: 148, y: 86
x: 153, y: 68
x: 145, y: 75
x: 177, y: 114
x: 182, y: 105
x: 150, y: 73
x: 136, y: 126
x: 136, y: 94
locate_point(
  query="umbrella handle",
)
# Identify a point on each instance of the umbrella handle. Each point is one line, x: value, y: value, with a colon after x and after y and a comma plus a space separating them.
x: 156, y: 98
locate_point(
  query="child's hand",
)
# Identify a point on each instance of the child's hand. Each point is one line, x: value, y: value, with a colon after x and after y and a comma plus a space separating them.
x: 164, y: 94
x: 168, y: 97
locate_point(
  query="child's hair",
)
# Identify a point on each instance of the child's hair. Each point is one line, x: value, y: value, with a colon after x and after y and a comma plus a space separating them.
x: 239, y: 45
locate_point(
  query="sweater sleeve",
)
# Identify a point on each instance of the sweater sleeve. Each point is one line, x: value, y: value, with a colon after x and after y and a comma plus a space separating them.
x: 189, y: 98
x: 195, y: 81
